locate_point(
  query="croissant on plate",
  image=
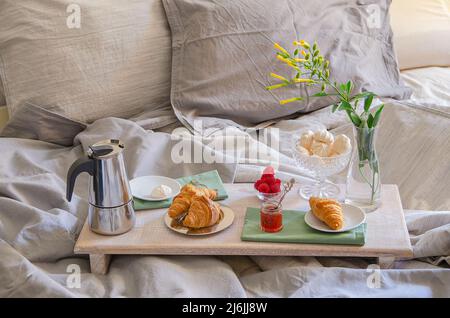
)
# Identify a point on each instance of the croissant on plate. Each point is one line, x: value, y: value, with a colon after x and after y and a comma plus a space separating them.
x: 182, y: 201
x: 328, y: 211
x: 203, y: 212
x: 180, y: 204
x: 192, y: 190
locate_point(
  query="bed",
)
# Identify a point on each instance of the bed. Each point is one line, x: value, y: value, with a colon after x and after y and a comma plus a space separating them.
x: 37, y: 235
x: 37, y: 248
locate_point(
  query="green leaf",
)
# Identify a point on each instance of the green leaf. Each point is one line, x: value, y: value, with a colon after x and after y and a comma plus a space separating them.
x: 335, y: 107
x: 376, y: 117
x: 354, y: 118
x: 343, y: 88
x: 370, y: 121
x: 345, y: 106
x: 349, y: 87
x: 320, y: 94
x: 368, y: 102
x: 298, y: 75
x: 296, y: 52
x: 363, y: 95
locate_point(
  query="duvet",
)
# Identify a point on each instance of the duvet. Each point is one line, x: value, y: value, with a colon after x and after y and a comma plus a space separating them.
x: 38, y: 227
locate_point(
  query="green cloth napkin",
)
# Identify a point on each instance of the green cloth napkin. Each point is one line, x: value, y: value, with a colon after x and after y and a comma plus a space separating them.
x: 295, y: 230
x: 211, y: 179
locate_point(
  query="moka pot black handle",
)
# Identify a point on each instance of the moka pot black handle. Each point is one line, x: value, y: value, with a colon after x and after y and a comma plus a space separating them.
x: 84, y: 164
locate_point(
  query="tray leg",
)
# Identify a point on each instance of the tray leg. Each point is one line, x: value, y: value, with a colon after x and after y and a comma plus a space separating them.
x: 386, y: 262
x: 99, y: 263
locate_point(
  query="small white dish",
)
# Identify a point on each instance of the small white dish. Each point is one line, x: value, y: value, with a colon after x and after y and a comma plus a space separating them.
x: 226, y: 221
x: 353, y: 217
x: 142, y: 187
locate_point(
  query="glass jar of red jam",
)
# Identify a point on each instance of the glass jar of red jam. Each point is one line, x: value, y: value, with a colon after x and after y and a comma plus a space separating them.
x: 271, y: 216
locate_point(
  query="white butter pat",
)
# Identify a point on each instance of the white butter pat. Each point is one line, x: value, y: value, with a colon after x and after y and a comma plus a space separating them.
x: 161, y: 191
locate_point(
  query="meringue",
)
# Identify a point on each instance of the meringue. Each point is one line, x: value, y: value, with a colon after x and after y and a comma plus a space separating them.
x: 324, y: 136
x: 306, y: 139
x: 320, y: 149
x: 341, y: 144
x: 161, y: 191
x: 302, y: 150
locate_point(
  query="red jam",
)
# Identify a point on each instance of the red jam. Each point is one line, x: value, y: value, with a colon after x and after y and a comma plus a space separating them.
x: 271, y: 218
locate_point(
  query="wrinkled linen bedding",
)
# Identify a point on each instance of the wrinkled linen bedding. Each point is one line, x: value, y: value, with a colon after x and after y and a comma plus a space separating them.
x: 38, y: 227
x: 431, y: 87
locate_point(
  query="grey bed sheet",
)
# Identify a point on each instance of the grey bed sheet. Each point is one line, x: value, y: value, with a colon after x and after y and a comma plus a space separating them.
x: 38, y: 227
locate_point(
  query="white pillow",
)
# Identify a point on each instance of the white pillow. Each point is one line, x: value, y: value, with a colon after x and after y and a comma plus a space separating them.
x: 421, y: 32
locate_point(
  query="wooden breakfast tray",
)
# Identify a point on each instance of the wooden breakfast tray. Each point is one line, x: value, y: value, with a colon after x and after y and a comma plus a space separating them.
x: 387, y: 235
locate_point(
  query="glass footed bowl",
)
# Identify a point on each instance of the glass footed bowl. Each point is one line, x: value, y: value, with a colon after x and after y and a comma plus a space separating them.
x: 320, y: 168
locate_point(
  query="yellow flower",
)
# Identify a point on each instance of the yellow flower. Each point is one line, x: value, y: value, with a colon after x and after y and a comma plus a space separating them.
x: 290, y: 100
x: 303, y: 80
x: 269, y: 88
x: 303, y: 52
x: 299, y: 60
x: 295, y: 67
x: 278, y: 77
x: 296, y: 43
x: 284, y: 60
x: 280, y: 48
x: 304, y: 44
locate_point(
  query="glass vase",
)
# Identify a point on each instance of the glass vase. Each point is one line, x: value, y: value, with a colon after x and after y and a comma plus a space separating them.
x: 363, y: 179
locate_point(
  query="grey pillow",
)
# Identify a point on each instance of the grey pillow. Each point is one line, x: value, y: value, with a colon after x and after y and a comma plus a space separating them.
x: 222, y: 53
x: 34, y: 122
x: 116, y: 64
x: 2, y: 96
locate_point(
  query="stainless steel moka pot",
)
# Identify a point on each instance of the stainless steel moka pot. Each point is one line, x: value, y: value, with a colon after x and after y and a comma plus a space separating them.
x: 110, y: 201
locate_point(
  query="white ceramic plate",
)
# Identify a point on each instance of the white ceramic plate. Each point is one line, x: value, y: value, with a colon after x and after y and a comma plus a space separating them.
x: 353, y: 217
x: 142, y: 187
x: 227, y: 220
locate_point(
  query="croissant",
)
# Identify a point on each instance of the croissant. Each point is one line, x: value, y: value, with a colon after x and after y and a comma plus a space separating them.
x: 202, y: 213
x: 328, y: 211
x: 182, y: 201
x: 180, y: 204
x: 210, y: 193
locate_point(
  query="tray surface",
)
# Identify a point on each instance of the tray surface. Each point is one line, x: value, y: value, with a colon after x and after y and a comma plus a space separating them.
x: 387, y: 234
